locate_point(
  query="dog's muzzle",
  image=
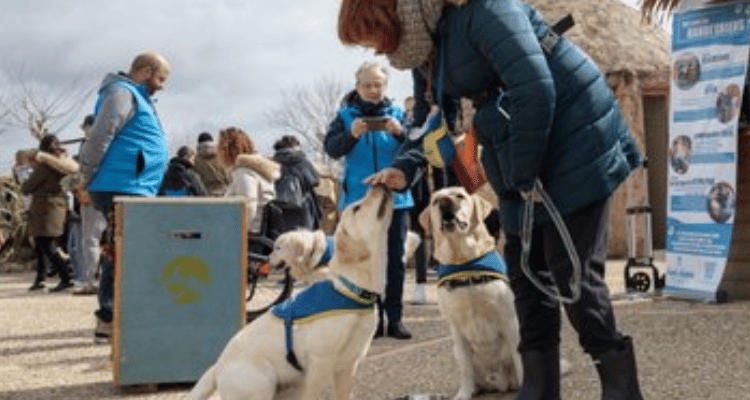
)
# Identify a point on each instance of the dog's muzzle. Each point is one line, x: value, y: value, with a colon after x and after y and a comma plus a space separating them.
x: 384, y: 200
x: 448, y: 220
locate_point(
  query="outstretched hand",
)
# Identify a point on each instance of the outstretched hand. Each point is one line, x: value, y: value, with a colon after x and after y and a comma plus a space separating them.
x: 393, y: 178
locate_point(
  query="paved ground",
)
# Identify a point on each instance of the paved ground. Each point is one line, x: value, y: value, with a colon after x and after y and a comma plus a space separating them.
x: 685, y: 351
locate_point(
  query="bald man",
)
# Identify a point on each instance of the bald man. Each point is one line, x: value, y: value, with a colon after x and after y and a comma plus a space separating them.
x: 125, y: 155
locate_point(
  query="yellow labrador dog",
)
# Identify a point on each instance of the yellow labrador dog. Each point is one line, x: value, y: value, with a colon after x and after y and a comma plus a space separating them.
x: 278, y: 356
x: 302, y: 251
x: 473, y: 293
x: 306, y: 253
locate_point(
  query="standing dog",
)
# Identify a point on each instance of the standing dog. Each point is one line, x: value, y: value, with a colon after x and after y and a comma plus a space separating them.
x: 473, y: 294
x: 271, y: 358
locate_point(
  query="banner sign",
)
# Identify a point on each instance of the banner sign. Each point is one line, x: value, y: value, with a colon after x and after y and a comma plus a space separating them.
x: 709, y: 59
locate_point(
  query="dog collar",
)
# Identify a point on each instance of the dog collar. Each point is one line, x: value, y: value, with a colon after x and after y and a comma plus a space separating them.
x: 357, y: 293
x: 490, y: 265
x: 325, y: 258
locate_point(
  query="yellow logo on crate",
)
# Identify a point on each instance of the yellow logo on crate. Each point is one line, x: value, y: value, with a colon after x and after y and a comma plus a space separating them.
x: 177, y: 275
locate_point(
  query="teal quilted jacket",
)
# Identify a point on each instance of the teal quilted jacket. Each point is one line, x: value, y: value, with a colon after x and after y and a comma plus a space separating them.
x: 553, y: 117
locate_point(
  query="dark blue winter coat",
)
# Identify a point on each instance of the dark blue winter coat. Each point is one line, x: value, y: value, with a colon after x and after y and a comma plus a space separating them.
x: 373, y: 151
x: 565, y: 125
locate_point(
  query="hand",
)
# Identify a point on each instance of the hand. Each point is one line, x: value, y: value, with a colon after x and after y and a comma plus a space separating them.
x: 82, y: 195
x: 394, y: 127
x: 359, y: 127
x: 393, y: 178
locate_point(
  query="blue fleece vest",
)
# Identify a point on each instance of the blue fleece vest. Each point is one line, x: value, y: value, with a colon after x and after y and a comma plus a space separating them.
x: 489, y: 264
x: 137, y: 156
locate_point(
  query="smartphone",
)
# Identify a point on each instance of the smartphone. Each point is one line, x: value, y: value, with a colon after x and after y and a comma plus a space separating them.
x: 375, y: 123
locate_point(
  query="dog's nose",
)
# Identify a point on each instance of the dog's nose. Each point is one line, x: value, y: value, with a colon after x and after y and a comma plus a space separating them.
x: 445, y: 205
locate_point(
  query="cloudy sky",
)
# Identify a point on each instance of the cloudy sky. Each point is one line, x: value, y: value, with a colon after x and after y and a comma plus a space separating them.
x: 231, y: 59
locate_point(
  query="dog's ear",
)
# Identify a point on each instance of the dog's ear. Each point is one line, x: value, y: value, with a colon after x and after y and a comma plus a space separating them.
x: 424, y: 219
x: 482, y: 209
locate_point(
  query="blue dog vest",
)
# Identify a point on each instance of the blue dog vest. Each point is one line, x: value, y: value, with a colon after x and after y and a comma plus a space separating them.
x: 490, y: 264
x: 319, y: 300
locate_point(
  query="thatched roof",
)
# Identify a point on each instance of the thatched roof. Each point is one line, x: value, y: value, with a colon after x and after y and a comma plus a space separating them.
x: 612, y: 33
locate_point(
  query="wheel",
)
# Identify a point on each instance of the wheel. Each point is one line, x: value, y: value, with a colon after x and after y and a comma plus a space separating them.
x: 265, y: 287
x: 640, y: 281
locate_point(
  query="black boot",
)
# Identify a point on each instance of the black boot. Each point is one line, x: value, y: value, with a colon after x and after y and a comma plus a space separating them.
x: 618, y: 374
x: 398, y: 331
x: 541, y: 375
x: 38, y: 284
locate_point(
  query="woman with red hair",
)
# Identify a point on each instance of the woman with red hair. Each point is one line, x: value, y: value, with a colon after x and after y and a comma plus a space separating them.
x: 545, y: 115
x: 252, y: 174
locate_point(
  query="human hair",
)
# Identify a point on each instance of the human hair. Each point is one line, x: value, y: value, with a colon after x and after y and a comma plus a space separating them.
x: 286, y: 142
x: 51, y: 144
x: 234, y: 141
x: 373, y: 22
x: 151, y: 60
x: 185, y: 152
x: 370, y: 66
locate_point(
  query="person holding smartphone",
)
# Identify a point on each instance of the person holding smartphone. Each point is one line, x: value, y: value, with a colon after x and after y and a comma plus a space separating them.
x: 368, y: 131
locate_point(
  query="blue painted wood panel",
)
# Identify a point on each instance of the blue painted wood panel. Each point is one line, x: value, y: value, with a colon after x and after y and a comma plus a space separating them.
x: 180, y: 287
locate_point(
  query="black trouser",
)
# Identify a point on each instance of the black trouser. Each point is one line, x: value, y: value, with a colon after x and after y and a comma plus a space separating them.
x: 394, y: 287
x: 539, y: 315
x: 46, y: 248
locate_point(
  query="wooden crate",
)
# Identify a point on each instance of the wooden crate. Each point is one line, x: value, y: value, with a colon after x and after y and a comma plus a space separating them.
x: 180, y: 281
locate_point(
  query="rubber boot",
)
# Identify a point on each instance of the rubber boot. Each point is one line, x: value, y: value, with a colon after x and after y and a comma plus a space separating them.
x: 618, y: 374
x: 541, y: 375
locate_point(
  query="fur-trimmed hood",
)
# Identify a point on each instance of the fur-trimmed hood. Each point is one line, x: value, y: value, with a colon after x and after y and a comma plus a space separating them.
x: 269, y: 169
x: 63, y: 163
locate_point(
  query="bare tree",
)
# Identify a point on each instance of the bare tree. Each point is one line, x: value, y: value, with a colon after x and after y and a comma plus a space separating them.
x: 39, y: 107
x: 307, y: 111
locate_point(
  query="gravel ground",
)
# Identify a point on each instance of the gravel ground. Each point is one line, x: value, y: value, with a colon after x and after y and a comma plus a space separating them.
x: 685, y: 351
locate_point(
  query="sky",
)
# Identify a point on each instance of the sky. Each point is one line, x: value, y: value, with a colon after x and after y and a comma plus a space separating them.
x: 231, y: 59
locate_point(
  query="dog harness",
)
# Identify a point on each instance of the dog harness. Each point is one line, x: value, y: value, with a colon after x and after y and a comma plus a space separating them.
x: 319, y: 300
x: 488, y: 267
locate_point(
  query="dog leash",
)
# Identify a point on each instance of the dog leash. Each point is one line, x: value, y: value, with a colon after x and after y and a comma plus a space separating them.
x: 537, y: 194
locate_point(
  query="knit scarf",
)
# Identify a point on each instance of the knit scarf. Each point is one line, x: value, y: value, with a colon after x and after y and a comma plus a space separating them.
x: 419, y: 20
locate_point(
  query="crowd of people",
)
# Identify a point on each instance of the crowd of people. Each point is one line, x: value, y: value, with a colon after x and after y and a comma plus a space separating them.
x: 125, y: 153
x: 545, y: 117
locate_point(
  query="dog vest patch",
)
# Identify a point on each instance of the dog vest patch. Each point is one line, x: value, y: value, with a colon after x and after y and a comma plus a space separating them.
x: 490, y: 264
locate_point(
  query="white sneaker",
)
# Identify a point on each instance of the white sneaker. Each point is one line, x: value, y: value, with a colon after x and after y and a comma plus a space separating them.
x: 420, y: 295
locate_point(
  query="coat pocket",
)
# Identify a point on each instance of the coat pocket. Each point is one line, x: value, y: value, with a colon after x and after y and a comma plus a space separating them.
x: 493, y: 129
x: 140, y: 163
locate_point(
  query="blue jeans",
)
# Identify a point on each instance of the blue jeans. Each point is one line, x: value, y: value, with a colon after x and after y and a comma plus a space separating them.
x: 103, y: 204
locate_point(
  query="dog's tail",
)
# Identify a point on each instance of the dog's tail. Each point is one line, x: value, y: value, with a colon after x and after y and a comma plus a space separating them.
x: 205, y: 386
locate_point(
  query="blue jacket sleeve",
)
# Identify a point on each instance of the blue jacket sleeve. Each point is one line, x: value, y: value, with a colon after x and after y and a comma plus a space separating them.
x: 338, y: 141
x: 504, y: 35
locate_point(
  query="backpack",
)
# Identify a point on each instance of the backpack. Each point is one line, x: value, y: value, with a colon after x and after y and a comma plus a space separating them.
x: 289, y: 190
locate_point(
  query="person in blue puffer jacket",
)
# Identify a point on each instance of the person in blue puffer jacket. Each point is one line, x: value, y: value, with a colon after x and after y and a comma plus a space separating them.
x: 545, y: 113
x: 368, y: 131
x: 125, y: 154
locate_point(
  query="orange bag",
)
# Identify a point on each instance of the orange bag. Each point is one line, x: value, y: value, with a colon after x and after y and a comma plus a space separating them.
x: 466, y: 164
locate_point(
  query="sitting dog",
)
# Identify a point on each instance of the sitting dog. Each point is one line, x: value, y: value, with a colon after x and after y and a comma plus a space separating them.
x: 290, y: 353
x: 473, y: 293
x: 306, y: 253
